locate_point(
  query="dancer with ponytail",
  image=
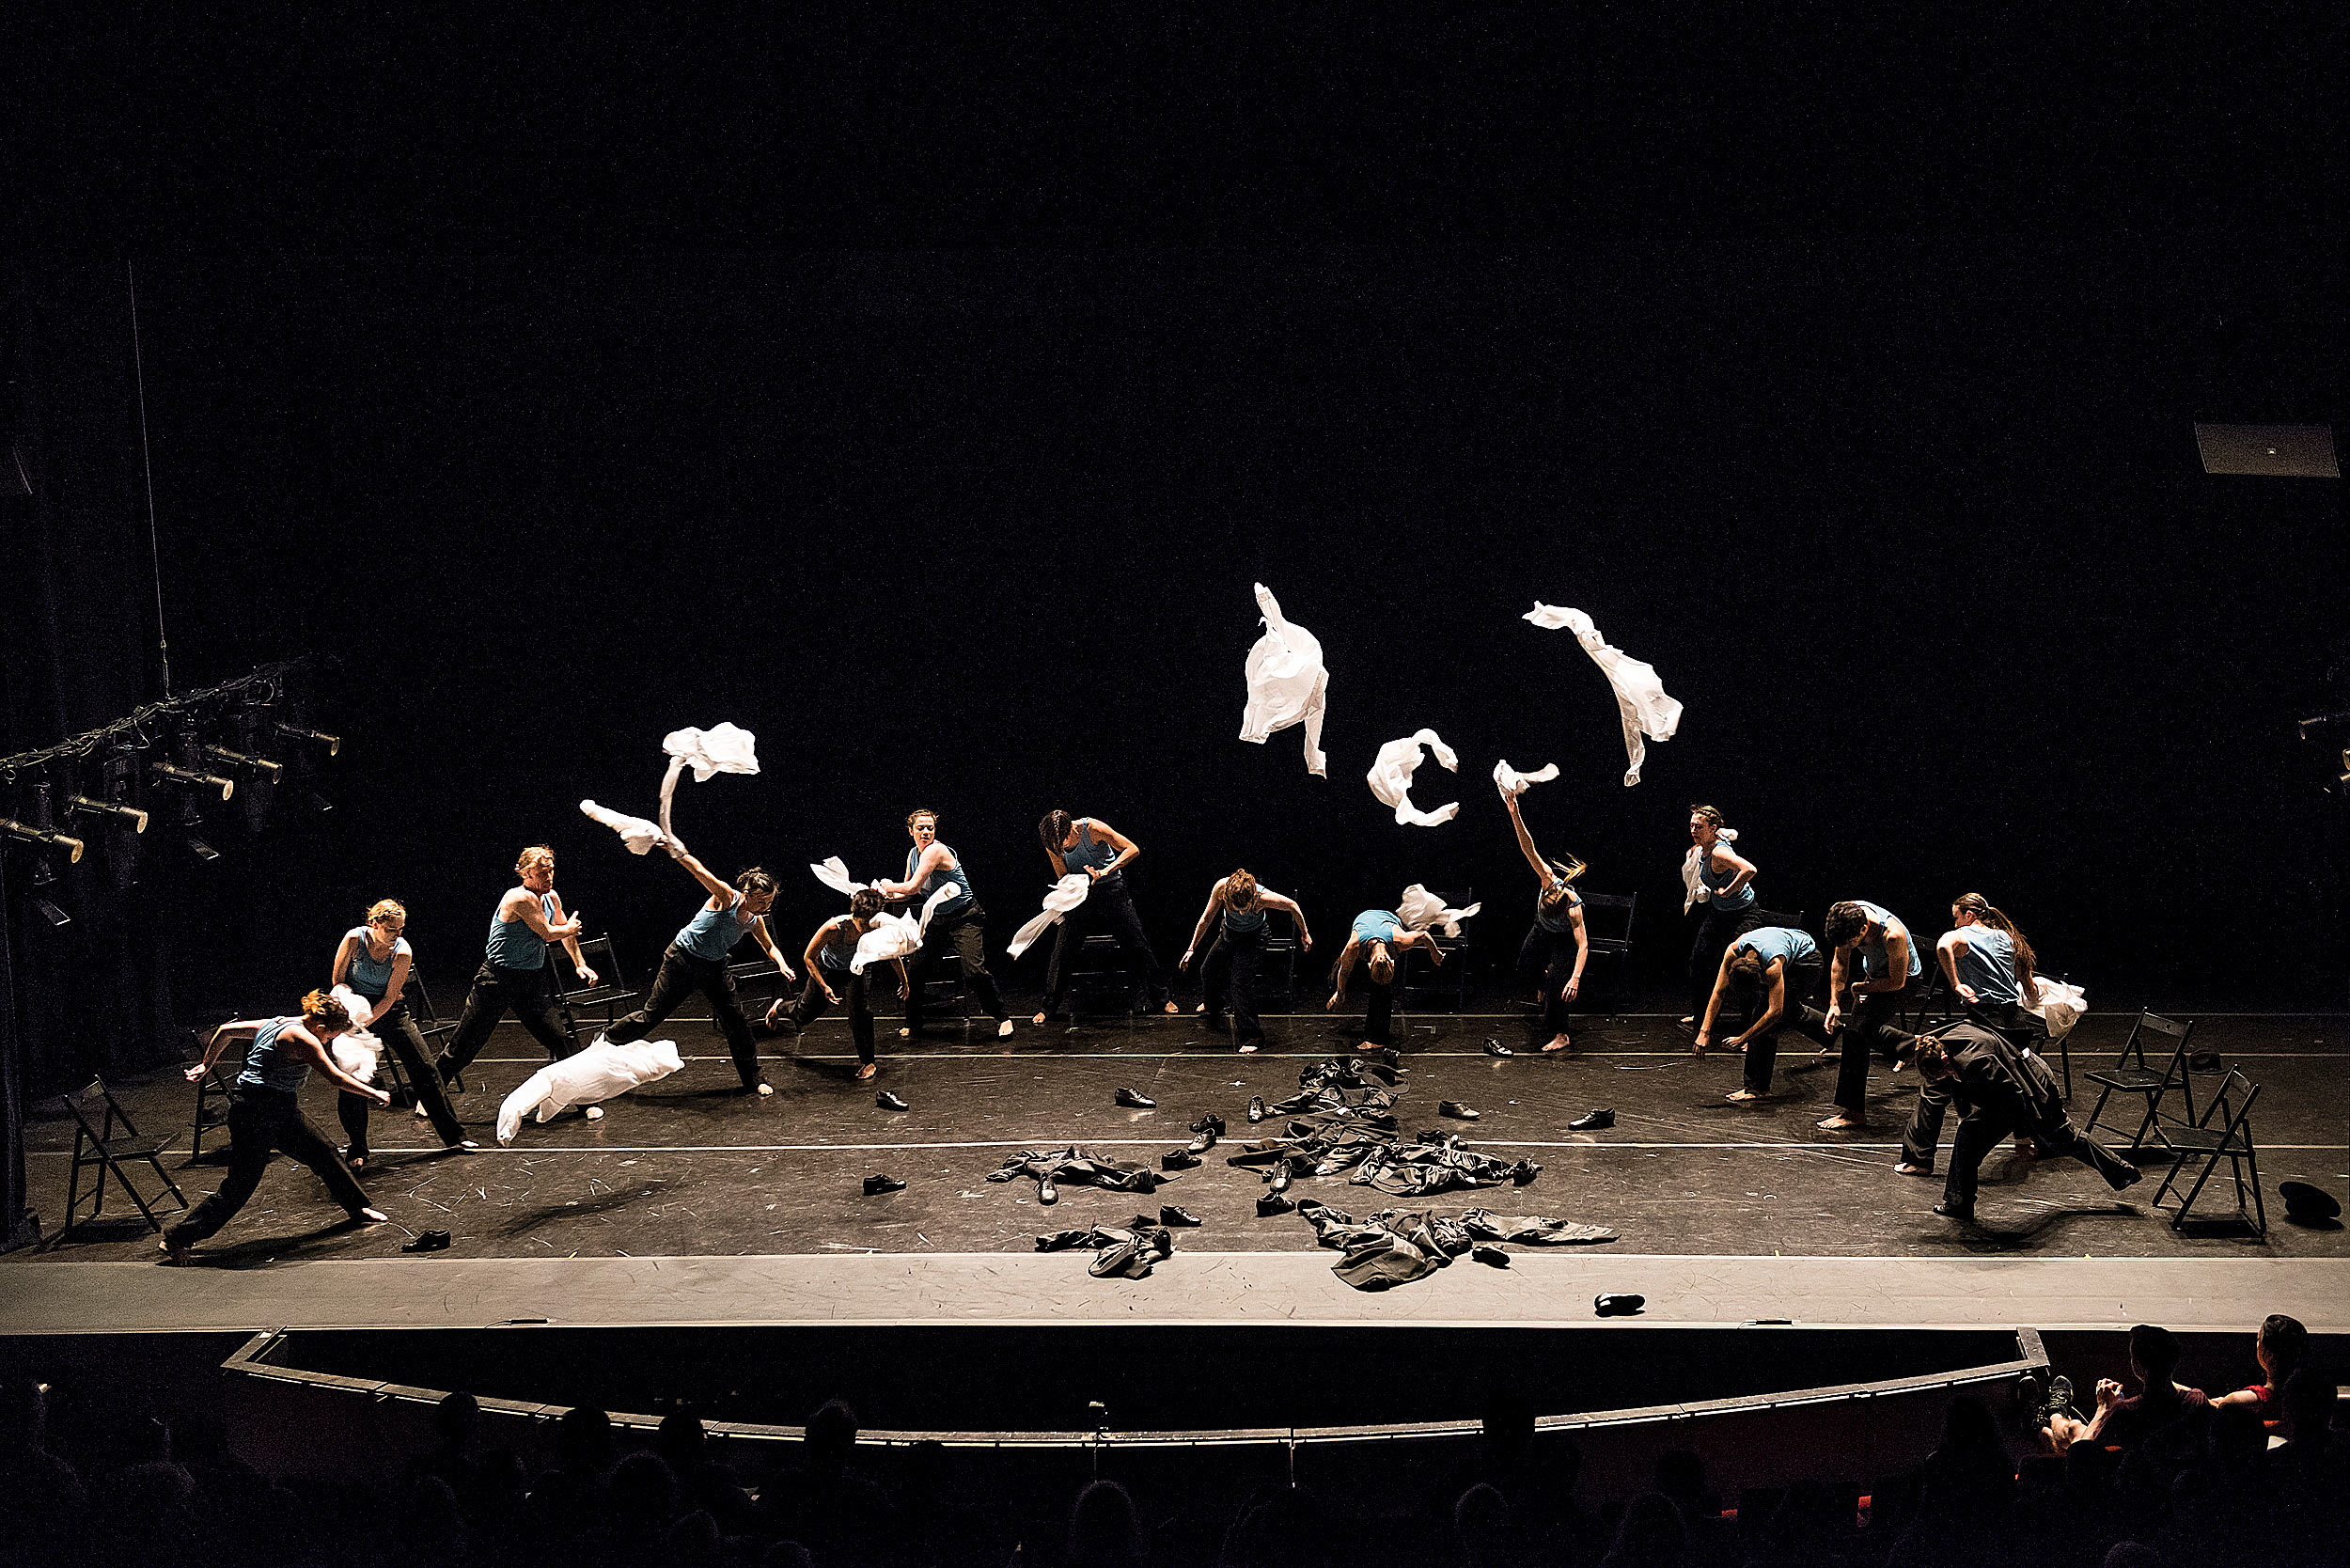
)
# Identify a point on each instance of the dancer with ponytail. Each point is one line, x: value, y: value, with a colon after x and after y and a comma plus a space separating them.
x: 265, y: 1116
x: 697, y: 961
x: 959, y: 923
x: 374, y: 960
x: 1557, y: 929
x: 1092, y: 846
x: 1720, y: 881
x: 1229, y: 977
x: 1992, y: 970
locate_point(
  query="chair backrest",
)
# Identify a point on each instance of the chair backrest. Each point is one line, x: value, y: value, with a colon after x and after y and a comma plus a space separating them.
x: 1779, y: 917
x: 2161, y: 1030
x: 1607, y: 916
x: 596, y: 952
x: 419, y: 1000
x: 95, y: 1107
x: 2231, y: 1106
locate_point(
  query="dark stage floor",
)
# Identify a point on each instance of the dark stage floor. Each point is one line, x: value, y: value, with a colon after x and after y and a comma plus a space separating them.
x: 690, y: 1168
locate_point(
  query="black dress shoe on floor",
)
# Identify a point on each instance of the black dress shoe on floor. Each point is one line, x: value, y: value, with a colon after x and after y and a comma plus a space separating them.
x: 1211, y: 1124
x: 876, y: 1186
x: 1125, y: 1259
x: 887, y: 1101
x: 1458, y: 1111
x: 1485, y: 1252
x: 1523, y: 1172
x: 1256, y: 1108
x: 1177, y: 1216
x: 1592, y: 1121
x: 1270, y: 1204
x: 1133, y: 1101
x: 1391, y: 1056
x: 429, y: 1241
x: 1177, y: 1159
x: 1281, y: 1183
x: 1045, y: 1191
x: 1618, y: 1306
x: 1496, y: 1049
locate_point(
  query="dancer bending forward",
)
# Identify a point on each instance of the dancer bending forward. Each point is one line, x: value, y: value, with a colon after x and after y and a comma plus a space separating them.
x: 1376, y: 938
x: 1557, y: 918
x: 1888, y: 967
x: 959, y: 922
x: 265, y: 1116
x: 1229, y: 977
x: 697, y: 961
x: 2003, y: 1090
x: 829, y: 976
x: 1092, y: 846
x: 1774, y: 970
x: 374, y: 960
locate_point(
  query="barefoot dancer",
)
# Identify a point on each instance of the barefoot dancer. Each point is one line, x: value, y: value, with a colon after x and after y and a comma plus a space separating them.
x: 1774, y: 970
x: 513, y: 972
x: 697, y: 961
x: 829, y: 952
x: 1888, y: 967
x: 1376, y: 936
x: 1229, y: 977
x: 374, y: 959
x: 1557, y: 918
x: 1724, y: 888
x: 1092, y: 846
x: 265, y: 1116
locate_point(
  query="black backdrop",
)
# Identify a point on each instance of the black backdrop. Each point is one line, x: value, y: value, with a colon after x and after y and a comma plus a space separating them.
x: 1914, y: 527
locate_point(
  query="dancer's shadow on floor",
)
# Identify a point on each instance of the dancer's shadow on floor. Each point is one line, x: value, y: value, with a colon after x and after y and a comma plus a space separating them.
x: 337, y: 1239
x: 522, y: 1221
x: 2031, y: 1235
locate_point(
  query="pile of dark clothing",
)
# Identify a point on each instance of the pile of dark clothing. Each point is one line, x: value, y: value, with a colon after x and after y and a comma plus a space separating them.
x: 1398, y: 1246
x: 1340, y: 1122
x: 1050, y: 1168
x: 1126, y: 1254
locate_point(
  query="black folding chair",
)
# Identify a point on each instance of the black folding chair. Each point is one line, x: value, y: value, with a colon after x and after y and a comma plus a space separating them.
x: 105, y: 1138
x: 944, y: 992
x: 1100, y: 967
x: 2223, y: 1133
x: 1449, y: 983
x: 758, y: 971
x: 2129, y: 1075
x: 1607, y: 928
x: 610, y: 989
x: 1277, y: 966
x: 430, y: 1024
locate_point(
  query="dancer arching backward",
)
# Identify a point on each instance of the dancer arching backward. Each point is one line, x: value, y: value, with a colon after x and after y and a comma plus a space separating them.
x: 513, y: 972
x: 829, y: 976
x: 374, y: 960
x: 1774, y: 971
x: 1888, y: 966
x: 697, y: 961
x: 265, y: 1114
x: 959, y: 923
x: 1092, y: 846
x: 1377, y: 936
x: 1990, y: 969
x: 2003, y: 1090
x: 1229, y: 977
x: 1557, y: 925
x: 1725, y: 898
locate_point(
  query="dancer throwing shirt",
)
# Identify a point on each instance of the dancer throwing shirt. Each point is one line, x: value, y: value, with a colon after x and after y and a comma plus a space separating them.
x: 959, y: 923
x: 1888, y: 966
x: 265, y: 1116
x: 513, y: 973
x: 1092, y: 846
x: 374, y: 960
x: 830, y: 979
x: 1774, y: 970
x: 1229, y: 977
x: 697, y: 961
x: 1557, y: 930
x: 1990, y: 969
x: 1724, y: 891
x: 1375, y: 940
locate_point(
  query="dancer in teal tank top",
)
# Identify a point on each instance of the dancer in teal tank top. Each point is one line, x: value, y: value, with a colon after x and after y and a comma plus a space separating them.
x: 1375, y: 940
x: 697, y: 962
x: 374, y: 960
x: 1092, y: 846
x: 958, y: 925
x: 1556, y: 946
x: 514, y: 975
x: 1230, y: 976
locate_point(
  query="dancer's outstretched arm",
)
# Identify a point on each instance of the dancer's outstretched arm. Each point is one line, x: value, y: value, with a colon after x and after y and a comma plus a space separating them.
x: 1525, y: 842
x: 1272, y: 900
x: 1347, y: 955
x: 1200, y: 932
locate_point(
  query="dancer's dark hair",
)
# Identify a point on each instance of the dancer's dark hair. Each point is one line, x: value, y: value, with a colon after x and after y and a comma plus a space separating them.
x: 2027, y: 963
x: 1708, y: 815
x: 755, y: 881
x: 1053, y: 829
x: 1240, y: 889
x: 865, y: 903
x: 925, y: 811
x: 1846, y: 920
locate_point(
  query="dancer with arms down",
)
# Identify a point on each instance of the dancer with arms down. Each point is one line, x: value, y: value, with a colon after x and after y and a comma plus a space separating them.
x: 1375, y: 940
x: 1230, y: 976
x: 1888, y: 967
x: 1557, y: 929
x: 374, y: 960
x: 959, y: 922
x: 1721, y: 881
x: 265, y: 1116
x: 1774, y: 970
x: 697, y: 961
x: 830, y: 953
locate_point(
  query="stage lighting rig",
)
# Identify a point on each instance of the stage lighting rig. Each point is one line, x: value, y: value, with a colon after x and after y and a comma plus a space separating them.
x: 47, y: 837
x: 334, y: 744
x: 116, y: 814
x: 263, y: 765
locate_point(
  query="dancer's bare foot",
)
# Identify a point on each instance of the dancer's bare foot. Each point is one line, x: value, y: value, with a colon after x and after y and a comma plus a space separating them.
x: 369, y: 1216
x: 595, y: 1113
x: 1003, y: 1028
x: 1038, y: 1020
x: 1560, y: 1043
x: 176, y: 1254
x: 1840, y: 1122
x: 1905, y: 1168
x: 1250, y: 1049
x: 766, y: 1089
x: 1690, y: 1022
x: 1371, y: 1045
x: 1742, y: 1096
x: 1171, y: 1007
x: 867, y: 1071
x: 462, y: 1146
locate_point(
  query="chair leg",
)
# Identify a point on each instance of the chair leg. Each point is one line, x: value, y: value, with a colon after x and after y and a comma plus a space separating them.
x: 2064, y: 1054
x: 2178, y: 1163
x: 156, y: 1161
x: 124, y: 1177
x: 2187, y: 1203
x: 2088, y: 1128
x: 2259, y: 1204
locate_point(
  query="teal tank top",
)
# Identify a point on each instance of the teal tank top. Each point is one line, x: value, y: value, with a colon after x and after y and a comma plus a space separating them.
x: 267, y: 1067
x: 513, y: 945
x: 1094, y: 851
x: 1377, y: 925
x: 1784, y: 941
x: 712, y: 933
x: 1561, y: 918
x: 839, y: 945
x: 1872, y: 962
x: 1239, y: 922
x: 953, y: 874
x: 1715, y: 880
x: 368, y: 976
x: 1987, y: 963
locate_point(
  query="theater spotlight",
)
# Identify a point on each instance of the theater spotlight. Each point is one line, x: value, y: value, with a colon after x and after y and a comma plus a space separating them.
x: 123, y: 816
x: 188, y: 778
x: 238, y: 760
x: 334, y: 744
x: 46, y: 838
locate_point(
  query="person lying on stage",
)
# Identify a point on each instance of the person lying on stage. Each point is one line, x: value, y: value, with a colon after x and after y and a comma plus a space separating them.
x: 265, y: 1116
x: 1888, y: 967
x: 1376, y: 939
x: 1724, y: 887
x: 2003, y: 1090
x: 829, y: 952
x: 1092, y: 846
x: 1989, y: 966
x: 1774, y: 970
x: 1229, y: 977
x: 513, y: 973
x: 959, y: 923
x: 374, y: 959
x: 1557, y: 929
x: 697, y: 961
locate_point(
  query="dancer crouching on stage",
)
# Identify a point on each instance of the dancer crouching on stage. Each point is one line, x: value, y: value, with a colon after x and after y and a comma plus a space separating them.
x: 265, y: 1116
x: 1376, y: 938
x: 1888, y: 966
x: 2003, y: 1090
x: 514, y: 975
x: 697, y: 961
x: 1725, y: 889
x: 1229, y: 977
x: 1092, y: 846
x: 959, y: 923
x: 1775, y: 970
x: 829, y: 952
x: 1990, y: 969
x: 1557, y: 917
x: 374, y: 960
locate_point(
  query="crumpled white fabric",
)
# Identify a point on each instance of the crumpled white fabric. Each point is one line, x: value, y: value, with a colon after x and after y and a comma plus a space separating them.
x: 720, y: 748
x: 356, y: 1051
x: 834, y: 873
x: 1511, y: 782
x: 1066, y: 895
x: 1287, y: 683
x: 635, y: 832
x: 1420, y: 910
x: 2060, y: 1007
x: 1640, y: 695
x: 1390, y: 777
x: 897, y: 935
x: 1693, y: 867
x: 597, y: 1074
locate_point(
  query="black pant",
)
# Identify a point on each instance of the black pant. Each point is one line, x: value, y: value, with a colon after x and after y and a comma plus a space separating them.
x: 681, y: 974
x: 401, y: 1037
x: 965, y: 932
x: 1803, y: 983
x: 1114, y: 911
x: 1716, y: 931
x: 262, y: 1121
x: 1934, y: 1095
x: 1228, y: 979
x: 529, y: 994
x: 1550, y: 955
x: 1868, y: 1027
x: 854, y: 991
x: 1379, y: 1011
x: 1986, y: 1125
